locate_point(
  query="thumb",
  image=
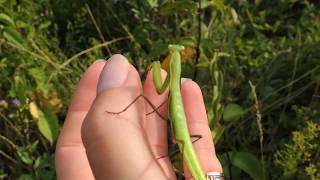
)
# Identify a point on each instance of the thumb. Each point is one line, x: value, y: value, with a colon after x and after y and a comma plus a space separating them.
x: 115, y: 143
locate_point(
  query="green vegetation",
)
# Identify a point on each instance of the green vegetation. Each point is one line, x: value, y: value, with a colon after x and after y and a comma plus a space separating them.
x: 259, y: 70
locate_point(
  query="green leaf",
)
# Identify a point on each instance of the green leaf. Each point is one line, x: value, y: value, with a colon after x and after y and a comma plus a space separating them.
x: 39, y: 75
x: 232, y: 112
x: 26, y: 177
x: 19, y: 87
x: 219, y: 5
x: 141, y: 35
x: 47, y: 122
x: 153, y: 3
x: 205, y: 3
x: 235, y: 16
x: 217, y: 133
x: 170, y: 8
x: 44, y: 25
x: 13, y: 36
x: 249, y: 164
x: 24, y: 156
x: 225, y: 160
x: 48, y: 125
x: 44, y: 167
x: 6, y: 20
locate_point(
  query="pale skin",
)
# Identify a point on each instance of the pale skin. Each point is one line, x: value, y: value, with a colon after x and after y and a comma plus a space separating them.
x: 97, y: 145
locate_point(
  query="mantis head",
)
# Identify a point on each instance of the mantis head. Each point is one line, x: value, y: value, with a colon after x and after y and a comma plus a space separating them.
x: 175, y: 47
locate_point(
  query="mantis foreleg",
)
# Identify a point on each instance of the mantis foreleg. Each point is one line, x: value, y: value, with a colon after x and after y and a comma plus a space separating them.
x: 163, y: 103
x: 155, y: 109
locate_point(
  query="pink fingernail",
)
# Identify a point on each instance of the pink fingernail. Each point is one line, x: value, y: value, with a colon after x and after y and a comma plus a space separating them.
x: 114, y: 73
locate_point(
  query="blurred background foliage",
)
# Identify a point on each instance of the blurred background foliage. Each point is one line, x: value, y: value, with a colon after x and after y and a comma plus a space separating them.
x: 257, y: 62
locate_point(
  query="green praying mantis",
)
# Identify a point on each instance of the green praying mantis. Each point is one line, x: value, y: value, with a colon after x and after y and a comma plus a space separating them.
x: 176, y: 113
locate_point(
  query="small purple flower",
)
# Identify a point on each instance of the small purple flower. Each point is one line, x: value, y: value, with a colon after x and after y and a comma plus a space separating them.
x: 16, y: 102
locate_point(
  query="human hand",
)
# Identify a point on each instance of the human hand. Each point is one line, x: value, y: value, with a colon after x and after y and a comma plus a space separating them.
x: 97, y: 144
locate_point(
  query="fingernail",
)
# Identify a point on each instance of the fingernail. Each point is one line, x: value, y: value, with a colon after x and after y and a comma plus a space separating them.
x: 185, y: 79
x: 99, y: 60
x: 114, y: 73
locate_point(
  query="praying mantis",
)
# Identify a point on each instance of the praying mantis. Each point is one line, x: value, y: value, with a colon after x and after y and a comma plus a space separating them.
x: 176, y: 113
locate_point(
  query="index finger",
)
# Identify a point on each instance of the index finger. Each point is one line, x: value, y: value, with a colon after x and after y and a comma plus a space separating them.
x: 70, y: 156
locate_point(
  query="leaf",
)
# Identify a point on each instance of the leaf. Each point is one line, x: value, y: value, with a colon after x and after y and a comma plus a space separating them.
x: 232, y: 112
x: 24, y: 156
x: 141, y: 35
x: 217, y: 132
x: 44, y: 166
x: 47, y: 122
x: 205, y: 3
x: 243, y: 161
x: 13, y: 36
x: 153, y: 3
x: 44, y: 25
x: 219, y: 5
x: 5, y: 19
x: 170, y: 8
x: 235, y: 16
x: 19, y: 87
x: 48, y: 125
x: 225, y: 160
x: 39, y: 75
x: 33, y: 109
x: 249, y: 164
x: 26, y: 177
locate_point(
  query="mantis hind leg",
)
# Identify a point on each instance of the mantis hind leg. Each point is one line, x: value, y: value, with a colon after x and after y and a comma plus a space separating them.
x: 198, y: 136
x: 155, y: 109
x: 177, y: 141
